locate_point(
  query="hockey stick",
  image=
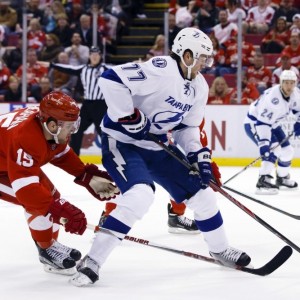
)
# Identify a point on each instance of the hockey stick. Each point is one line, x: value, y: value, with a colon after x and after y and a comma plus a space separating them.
x: 278, y: 260
x: 258, y: 158
x: 262, y: 203
x: 226, y: 195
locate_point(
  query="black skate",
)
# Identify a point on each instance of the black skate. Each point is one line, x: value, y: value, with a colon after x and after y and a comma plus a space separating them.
x: 265, y: 186
x: 88, y: 272
x: 56, y: 260
x: 285, y: 183
x: 232, y: 257
x: 181, y: 224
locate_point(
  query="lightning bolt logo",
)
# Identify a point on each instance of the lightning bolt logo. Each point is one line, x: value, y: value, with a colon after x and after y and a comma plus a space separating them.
x: 119, y: 160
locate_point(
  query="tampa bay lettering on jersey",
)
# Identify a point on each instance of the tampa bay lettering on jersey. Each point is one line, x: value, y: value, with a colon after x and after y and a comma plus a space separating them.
x: 179, y: 105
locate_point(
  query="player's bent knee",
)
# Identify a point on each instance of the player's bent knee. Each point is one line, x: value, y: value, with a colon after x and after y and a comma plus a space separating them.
x: 204, y: 204
x: 136, y: 201
x: 287, y: 153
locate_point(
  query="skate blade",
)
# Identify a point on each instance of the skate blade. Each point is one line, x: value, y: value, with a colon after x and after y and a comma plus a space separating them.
x: 266, y: 191
x: 176, y: 230
x: 285, y: 188
x: 66, y: 272
x: 80, y: 280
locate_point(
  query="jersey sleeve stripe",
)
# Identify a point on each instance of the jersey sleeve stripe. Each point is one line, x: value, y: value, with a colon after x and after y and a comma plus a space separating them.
x: 22, y: 182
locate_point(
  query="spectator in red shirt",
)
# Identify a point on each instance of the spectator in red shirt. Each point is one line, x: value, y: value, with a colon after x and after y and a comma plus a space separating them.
x: 292, y: 50
x: 34, y: 72
x: 4, y: 77
x: 36, y: 36
x: 277, y: 38
x: 258, y: 74
x: 220, y: 93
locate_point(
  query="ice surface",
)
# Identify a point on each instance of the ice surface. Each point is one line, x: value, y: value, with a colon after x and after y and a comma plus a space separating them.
x: 139, y: 272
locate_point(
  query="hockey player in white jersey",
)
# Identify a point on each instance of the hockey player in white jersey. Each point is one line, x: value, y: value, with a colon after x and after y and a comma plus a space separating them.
x: 162, y: 94
x: 263, y: 126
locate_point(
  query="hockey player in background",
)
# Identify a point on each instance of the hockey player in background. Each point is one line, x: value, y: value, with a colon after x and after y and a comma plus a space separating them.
x: 162, y: 94
x: 263, y: 126
x: 30, y: 138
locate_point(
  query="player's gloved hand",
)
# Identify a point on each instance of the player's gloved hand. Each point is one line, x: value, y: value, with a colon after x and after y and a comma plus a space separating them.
x: 136, y: 125
x: 62, y: 211
x: 98, y: 183
x: 201, y: 160
x: 297, y: 128
x: 266, y: 153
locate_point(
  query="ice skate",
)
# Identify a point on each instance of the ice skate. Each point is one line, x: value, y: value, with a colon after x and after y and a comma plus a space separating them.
x: 88, y: 272
x: 181, y: 224
x: 265, y: 186
x: 57, y: 261
x: 285, y: 183
x: 232, y: 257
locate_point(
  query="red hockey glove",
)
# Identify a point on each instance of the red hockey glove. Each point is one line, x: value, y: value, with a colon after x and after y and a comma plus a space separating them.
x: 98, y: 183
x: 60, y: 208
x: 216, y: 174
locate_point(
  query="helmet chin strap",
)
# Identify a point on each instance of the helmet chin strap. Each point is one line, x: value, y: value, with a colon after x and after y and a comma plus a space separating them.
x: 55, y: 135
x: 189, y: 68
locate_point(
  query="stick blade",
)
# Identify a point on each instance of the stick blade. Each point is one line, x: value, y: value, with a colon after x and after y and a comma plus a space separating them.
x: 277, y: 261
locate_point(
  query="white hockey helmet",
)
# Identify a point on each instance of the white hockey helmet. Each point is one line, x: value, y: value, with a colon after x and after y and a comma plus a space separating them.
x: 288, y: 75
x: 196, y: 41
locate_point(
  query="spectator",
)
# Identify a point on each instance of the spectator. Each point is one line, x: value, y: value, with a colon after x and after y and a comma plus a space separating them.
x: 294, y: 48
x: 207, y: 16
x: 8, y: 16
x: 137, y: 9
x: 52, y: 10
x: 183, y: 15
x: 4, y: 77
x: 34, y: 72
x: 234, y: 10
x: 78, y: 53
x: 14, y: 91
x: 220, y: 93
x: 51, y: 49
x: 287, y: 10
x: 36, y: 36
x: 231, y: 57
x: 285, y: 65
x: 259, y: 17
x: 296, y: 23
x: 86, y: 31
x: 276, y: 39
x: 173, y: 29
x: 44, y: 89
x: 225, y: 30
x: 74, y: 11
x: 61, y: 81
x: 158, y: 47
x: 249, y: 92
x: 32, y: 10
x: 258, y: 74
x: 63, y: 30
x: 13, y: 58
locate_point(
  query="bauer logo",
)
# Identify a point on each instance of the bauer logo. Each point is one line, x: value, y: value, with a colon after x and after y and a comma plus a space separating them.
x: 159, y: 62
x: 275, y: 101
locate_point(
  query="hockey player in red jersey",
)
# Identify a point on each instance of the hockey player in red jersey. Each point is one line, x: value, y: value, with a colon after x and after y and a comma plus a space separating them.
x: 30, y: 138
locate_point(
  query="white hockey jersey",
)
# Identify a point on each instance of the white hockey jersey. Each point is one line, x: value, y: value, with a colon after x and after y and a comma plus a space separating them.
x: 158, y: 89
x: 268, y: 110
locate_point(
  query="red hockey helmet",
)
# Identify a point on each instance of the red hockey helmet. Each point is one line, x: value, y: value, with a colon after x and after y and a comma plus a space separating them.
x: 59, y: 106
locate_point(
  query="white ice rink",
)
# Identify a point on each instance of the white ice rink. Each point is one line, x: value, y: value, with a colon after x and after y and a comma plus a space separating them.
x: 139, y: 272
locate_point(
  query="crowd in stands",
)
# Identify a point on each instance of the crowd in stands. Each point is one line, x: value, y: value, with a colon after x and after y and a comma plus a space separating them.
x: 61, y: 31
x: 57, y: 31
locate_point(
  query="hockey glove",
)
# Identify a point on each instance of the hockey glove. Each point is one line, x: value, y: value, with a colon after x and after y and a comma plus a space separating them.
x: 297, y: 128
x: 136, y: 125
x: 60, y: 208
x: 201, y: 160
x: 98, y: 183
x: 266, y: 154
